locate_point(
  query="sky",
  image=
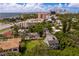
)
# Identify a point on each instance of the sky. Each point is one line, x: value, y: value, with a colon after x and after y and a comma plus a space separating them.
x: 37, y: 7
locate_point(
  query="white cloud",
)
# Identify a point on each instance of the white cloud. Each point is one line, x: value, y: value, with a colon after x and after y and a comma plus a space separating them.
x: 13, y: 7
x: 73, y: 5
x: 55, y: 7
x: 60, y: 5
x: 7, y: 7
x: 34, y: 7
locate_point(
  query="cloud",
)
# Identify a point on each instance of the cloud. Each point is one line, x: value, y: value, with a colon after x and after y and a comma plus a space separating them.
x: 36, y: 7
x: 29, y: 7
x: 57, y: 7
x: 73, y: 5
x: 10, y: 7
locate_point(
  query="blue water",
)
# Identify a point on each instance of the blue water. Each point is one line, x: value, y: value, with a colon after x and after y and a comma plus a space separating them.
x: 7, y: 15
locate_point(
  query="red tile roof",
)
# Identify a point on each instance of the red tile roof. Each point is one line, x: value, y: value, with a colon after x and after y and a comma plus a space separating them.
x: 10, y: 43
x: 7, y: 34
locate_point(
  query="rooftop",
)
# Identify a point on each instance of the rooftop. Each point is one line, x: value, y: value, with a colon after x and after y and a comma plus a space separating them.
x: 10, y: 43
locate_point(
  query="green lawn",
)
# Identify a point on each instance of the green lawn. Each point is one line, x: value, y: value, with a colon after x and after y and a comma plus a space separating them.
x: 33, y: 43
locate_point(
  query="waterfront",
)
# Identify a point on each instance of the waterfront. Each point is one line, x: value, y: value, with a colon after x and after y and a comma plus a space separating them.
x: 7, y: 15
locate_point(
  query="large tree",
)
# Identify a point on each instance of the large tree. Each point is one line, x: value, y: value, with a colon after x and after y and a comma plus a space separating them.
x: 40, y: 27
x: 15, y: 30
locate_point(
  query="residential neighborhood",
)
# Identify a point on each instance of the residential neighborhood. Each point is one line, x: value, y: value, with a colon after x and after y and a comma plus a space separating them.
x: 21, y: 31
x: 49, y: 32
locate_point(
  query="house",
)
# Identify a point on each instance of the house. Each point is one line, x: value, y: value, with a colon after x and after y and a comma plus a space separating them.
x: 9, y: 45
x: 59, y: 22
x: 56, y: 30
x: 7, y: 34
x: 51, y: 40
x: 34, y: 36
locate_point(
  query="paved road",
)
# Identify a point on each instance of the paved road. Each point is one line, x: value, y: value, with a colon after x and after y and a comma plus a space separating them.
x: 4, y: 26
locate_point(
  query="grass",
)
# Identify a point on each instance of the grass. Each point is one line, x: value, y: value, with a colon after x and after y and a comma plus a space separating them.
x: 31, y: 44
